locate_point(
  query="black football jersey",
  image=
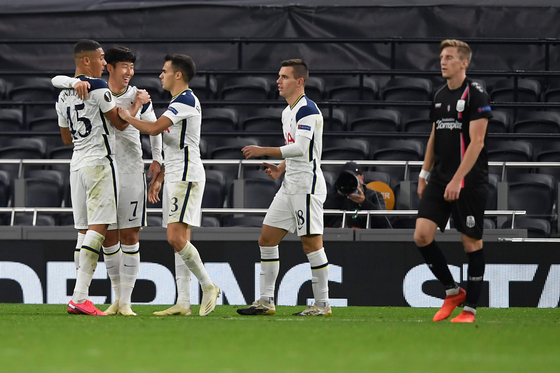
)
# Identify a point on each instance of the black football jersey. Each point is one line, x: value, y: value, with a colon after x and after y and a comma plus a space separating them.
x: 452, y: 111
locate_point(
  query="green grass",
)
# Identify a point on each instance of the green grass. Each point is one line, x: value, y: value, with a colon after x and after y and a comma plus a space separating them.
x: 43, y: 338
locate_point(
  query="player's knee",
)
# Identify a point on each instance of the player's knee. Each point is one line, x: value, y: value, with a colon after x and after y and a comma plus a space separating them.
x: 421, y: 238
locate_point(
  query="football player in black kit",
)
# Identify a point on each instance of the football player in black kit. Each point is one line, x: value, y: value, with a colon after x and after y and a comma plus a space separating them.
x: 457, y: 166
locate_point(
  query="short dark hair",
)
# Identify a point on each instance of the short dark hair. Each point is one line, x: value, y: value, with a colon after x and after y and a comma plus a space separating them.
x: 299, y: 66
x: 119, y: 54
x: 84, y: 46
x: 184, y: 64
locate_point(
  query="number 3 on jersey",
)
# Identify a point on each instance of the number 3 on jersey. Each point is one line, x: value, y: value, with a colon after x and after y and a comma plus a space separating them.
x: 86, y: 122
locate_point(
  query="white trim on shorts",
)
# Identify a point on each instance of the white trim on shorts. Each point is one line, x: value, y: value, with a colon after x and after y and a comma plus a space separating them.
x: 301, y: 212
x: 131, y: 207
x: 94, y: 195
x: 182, y: 202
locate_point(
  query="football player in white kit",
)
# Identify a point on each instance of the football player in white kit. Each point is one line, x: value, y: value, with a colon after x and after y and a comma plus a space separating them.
x: 93, y: 174
x: 298, y: 205
x: 121, y: 245
x: 184, y: 179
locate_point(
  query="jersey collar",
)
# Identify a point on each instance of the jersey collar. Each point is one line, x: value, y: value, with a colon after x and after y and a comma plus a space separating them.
x: 295, y: 103
x: 180, y: 93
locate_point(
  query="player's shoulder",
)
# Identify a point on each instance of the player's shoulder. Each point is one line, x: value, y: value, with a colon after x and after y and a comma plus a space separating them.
x: 306, y: 107
x: 440, y: 91
x: 475, y: 87
x: 95, y: 83
x: 186, y: 97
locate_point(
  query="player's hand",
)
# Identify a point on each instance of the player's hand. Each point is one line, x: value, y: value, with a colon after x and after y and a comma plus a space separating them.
x: 81, y: 89
x: 153, y: 192
x: 421, y: 186
x: 123, y: 113
x: 142, y: 96
x: 273, y: 171
x: 358, y: 198
x: 452, y: 191
x: 154, y: 170
x: 252, y: 151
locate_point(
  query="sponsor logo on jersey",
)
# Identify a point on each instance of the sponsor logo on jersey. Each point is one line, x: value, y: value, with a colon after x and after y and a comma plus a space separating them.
x: 484, y: 109
x: 477, y: 86
x: 304, y: 127
x: 438, y: 105
x: 173, y: 110
x: 448, y: 124
x: 108, y: 96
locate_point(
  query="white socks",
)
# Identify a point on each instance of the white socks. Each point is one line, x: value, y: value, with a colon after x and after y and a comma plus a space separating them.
x: 79, y: 243
x: 89, y: 254
x: 270, y: 265
x: 130, y: 265
x: 183, y: 280
x: 112, y: 255
x: 189, y: 254
x: 319, y: 277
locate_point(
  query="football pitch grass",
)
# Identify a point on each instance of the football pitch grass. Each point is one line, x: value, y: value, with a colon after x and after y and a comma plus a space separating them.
x: 44, y: 338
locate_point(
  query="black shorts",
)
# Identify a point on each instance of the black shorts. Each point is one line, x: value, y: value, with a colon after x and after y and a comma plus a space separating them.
x: 467, y: 211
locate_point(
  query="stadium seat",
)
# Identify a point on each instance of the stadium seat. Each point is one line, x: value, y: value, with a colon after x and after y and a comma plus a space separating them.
x: 552, y: 93
x: 549, y: 155
x: 230, y: 148
x: 204, y: 87
x: 11, y: 120
x: 335, y: 121
x: 18, y: 152
x: 5, y: 189
x: 499, y: 123
x: 489, y: 224
x: 43, y: 192
x: 152, y: 84
x: 215, y: 189
x: 376, y: 120
x: 44, y: 121
x: 528, y: 90
x: 219, y: 119
x: 510, y: 151
x: 28, y: 143
x: 26, y: 219
x: 536, y: 228
x: 263, y: 119
x: 3, y: 89
x: 408, y: 89
x: 417, y: 121
x: 314, y: 88
x: 370, y: 176
x: 246, y: 88
x: 348, y: 88
x: 398, y: 150
x: 343, y: 149
x: 537, y: 122
x: 534, y: 193
x: 258, y: 193
x: 32, y: 89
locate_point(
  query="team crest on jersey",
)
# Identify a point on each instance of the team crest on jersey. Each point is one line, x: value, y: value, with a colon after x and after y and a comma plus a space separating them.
x: 470, y: 221
x: 438, y: 105
x: 108, y: 96
x: 460, y: 105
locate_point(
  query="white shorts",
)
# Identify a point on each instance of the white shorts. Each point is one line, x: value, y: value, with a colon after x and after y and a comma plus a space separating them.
x: 301, y: 211
x: 182, y: 202
x: 131, y: 206
x: 94, y: 195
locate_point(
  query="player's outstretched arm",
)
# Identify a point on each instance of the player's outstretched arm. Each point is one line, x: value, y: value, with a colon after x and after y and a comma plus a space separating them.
x: 66, y: 82
x: 151, y: 128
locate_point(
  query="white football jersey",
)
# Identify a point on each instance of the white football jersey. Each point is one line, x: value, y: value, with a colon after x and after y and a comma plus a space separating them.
x: 92, y: 134
x: 181, y: 141
x: 128, y: 147
x: 303, y: 173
